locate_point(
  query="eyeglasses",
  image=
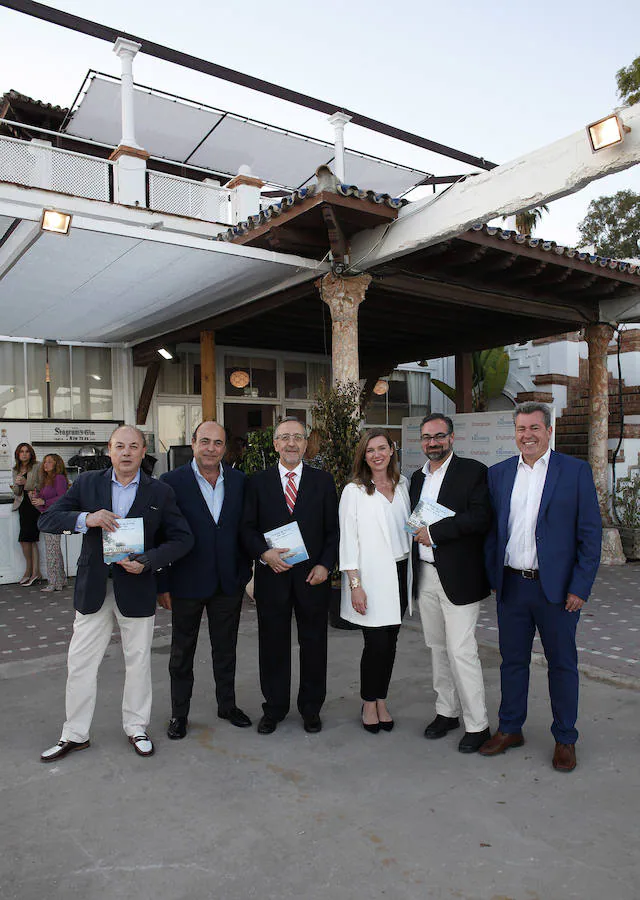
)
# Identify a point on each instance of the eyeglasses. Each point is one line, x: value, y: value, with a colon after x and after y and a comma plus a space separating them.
x: 285, y: 438
x: 438, y: 438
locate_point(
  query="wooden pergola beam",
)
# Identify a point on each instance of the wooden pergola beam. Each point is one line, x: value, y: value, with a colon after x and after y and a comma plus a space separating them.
x: 146, y: 394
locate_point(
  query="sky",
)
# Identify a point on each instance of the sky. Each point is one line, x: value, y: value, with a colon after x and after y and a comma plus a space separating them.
x: 496, y: 80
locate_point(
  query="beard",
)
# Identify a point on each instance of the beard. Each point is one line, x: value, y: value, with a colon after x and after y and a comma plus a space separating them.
x: 437, y: 455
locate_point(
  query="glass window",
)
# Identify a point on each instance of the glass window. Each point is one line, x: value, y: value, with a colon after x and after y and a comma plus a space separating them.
x: 295, y: 380
x: 171, y: 426
x: 54, y: 403
x: 250, y: 377
x: 92, y: 393
x: 263, y: 377
x: 172, y: 376
x: 13, y: 403
x: 318, y: 372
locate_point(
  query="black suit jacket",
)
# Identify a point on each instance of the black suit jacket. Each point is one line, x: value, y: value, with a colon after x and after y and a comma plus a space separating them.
x: 316, y: 512
x: 216, y: 559
x: 167, y: 537
x: 459, y: 540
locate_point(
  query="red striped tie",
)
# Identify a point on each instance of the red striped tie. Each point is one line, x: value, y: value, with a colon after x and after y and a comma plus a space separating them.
x: 291, y: 492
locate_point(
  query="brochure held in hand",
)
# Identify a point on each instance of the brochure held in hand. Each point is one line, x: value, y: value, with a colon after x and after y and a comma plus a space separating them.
x: 427, y: 512
x: 288, y: 536
x: 125, y: 541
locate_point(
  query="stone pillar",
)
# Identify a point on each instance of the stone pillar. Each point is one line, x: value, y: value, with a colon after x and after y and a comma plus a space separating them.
x: 598, y: 337
x: 464, y: 383
x: 245, y: 195
x: 339, y: 120
x: 343, y: 296
x: 130, y: 160
x: 208, y: 375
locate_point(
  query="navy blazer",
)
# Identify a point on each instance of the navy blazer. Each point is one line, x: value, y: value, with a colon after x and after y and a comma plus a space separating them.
x: 568, y: 530
x: 458, y: 540
x: 316, y: 512
x: 167, y: 537
x: 216, y: 559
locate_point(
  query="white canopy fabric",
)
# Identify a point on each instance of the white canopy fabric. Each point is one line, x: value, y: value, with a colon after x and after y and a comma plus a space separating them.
x: 186, y: 132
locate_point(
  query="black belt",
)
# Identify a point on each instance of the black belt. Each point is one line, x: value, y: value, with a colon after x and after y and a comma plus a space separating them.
x: 529, y: 574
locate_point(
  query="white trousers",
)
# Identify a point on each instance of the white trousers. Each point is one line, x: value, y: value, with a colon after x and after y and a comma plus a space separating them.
x: 91, y: 636
x: 449, y: 632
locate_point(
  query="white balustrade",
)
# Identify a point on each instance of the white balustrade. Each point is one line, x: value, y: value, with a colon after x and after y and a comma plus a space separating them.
x: 183, y: 197
x: 37, y: 164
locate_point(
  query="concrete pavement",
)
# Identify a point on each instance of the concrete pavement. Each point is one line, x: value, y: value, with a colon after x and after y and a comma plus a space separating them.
x: 232, y: 815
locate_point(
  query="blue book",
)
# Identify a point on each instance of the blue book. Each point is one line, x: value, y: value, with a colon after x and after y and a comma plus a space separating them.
x: 288, y: 536
x: 127, y: 539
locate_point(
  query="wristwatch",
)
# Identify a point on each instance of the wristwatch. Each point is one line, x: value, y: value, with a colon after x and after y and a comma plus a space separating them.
x: 354, y: 583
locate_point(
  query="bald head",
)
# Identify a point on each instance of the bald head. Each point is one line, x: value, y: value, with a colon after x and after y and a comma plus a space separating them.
x: 127, y: 447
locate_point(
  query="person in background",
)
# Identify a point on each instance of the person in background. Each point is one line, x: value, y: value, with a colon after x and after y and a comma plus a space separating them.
x: 375, y: 561
x: 313, y: 456
x: 25, y: 482
x: 54, y: 483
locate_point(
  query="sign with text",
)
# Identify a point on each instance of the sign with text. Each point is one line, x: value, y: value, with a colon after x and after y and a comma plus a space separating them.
x: 71, y: 432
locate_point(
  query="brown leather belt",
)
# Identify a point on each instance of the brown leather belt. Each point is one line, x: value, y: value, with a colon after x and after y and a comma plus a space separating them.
x: 529, y: 574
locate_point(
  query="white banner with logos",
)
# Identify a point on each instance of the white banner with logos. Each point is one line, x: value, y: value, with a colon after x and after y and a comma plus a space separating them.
x: 487, y: 436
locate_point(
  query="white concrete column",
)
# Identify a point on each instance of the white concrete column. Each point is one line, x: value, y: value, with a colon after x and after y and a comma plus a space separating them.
x: 127, y: 50
x: 245, y: 195
x: 339, y: 120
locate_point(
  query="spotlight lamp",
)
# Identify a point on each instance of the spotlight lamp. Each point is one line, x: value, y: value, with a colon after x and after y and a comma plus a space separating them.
x: 55, y: 222
x: 165, y: 353
x: 607, y: 132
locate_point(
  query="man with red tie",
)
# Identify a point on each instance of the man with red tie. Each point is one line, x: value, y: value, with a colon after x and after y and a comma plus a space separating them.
x: 283, y: 494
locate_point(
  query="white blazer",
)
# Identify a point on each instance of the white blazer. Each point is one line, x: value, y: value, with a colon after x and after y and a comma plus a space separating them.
x: 365, y: 545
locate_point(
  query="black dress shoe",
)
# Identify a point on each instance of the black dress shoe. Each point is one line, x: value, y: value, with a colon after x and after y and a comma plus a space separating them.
x: 267, y: 725
x: 177, y: 728
x: 471, y: 741
x: 312, y: 724
x: 61, y: 749
x: 235, y: 716
x: 374, y: 728
x: 440, y: 726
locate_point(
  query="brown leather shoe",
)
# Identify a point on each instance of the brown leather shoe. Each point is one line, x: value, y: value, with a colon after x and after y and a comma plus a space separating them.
x: 500, y: 743
x: 61, y: 749
x: 564, y: 757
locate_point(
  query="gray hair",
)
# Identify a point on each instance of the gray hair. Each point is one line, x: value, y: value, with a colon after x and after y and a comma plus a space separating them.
x: 289, y: 419
x: 525, y: 409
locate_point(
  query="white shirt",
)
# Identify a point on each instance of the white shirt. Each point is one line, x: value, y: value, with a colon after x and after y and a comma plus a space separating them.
x: 521, y: 552
x: 396, y: 516
x: 213, y: 494
x: 284, y: 476
x: 430, y: 491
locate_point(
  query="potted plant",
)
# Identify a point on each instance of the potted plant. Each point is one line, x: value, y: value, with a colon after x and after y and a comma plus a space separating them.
x: 260, y: 452
x: 337, y: 416
x: 627, y: 510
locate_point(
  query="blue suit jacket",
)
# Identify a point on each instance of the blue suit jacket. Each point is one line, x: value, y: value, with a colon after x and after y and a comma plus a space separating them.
x: 166, y: 538
x: 216, y: 560
x: 568, y: 531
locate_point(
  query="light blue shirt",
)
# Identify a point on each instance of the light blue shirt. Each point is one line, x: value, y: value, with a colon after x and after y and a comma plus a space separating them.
x: 213, y: 496
x: 122, y: 497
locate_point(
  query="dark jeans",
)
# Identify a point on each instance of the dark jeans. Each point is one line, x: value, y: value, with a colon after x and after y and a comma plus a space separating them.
x: 379, y: 652
x: 223, y: 615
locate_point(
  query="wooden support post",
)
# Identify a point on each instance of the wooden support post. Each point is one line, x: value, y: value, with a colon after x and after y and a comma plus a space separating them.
x: 208, y: 375
x: 142, y: 411
x: 464, y: 383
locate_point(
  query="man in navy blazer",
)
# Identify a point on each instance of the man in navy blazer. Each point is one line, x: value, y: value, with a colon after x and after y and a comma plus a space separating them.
x: 286, y: 493
x: 542, y: 556
x: 94, y: 503
x: 212, y: 576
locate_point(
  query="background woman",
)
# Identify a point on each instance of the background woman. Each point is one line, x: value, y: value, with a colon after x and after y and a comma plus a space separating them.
x: 25, y: 481
x: 53, y: 484
x: 374, y: 559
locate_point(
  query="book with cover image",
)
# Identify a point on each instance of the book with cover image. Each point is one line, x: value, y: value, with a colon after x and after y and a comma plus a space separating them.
x: 288, y: 536
x: 427, y: 512
x: 126, y: 539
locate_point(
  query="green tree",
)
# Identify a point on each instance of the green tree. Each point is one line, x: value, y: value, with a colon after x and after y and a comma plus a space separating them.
x: 490, y: 372
x: 527, y: 221
x: 628, y: 81
x: 336, y: 414
x: 612, y: 225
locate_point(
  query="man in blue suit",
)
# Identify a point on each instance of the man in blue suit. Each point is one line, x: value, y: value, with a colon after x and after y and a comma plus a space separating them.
x: 212, y: 576
x: 542, y: 557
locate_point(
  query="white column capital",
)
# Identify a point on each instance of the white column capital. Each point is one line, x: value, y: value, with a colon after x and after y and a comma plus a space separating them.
x: 339, y: 120
x: 125, y: 48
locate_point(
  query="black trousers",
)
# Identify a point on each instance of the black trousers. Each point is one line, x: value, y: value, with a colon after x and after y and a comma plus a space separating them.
x: 379, y: 652
x: 274, y: 643
x: 223, y: 615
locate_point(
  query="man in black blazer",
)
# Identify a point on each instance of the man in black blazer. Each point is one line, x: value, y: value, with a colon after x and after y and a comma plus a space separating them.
x: 291, y: 492
x: 212, y: 576
x: 94, y: 503
x: 450, y: 580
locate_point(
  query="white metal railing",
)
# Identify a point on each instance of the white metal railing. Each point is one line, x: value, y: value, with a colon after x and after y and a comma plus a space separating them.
x: 183, y: 197
x: 37, y: 164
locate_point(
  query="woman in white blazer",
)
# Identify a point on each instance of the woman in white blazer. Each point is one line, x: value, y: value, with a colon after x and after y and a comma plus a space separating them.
x: 376, y: 566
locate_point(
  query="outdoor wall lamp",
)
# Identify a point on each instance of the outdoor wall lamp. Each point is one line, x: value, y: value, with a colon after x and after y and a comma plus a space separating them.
x: 165, y: 353
x: 56, y: 222
x: 607, y: 132
x: 381, y: 387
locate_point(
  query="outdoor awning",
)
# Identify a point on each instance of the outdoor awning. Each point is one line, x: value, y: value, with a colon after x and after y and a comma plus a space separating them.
x: 183, y: 131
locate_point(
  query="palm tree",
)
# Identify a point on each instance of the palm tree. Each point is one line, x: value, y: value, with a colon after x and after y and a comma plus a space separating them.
x: 527, y: 220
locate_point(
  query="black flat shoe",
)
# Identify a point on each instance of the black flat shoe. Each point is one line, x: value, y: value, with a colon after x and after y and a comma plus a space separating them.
x: 235, y: 716
x: 312, y: 724
x: 440, y: 726
x: 372, y: 729
x: 177, y: 728
x: 267, y: 725
x: 471, y: 741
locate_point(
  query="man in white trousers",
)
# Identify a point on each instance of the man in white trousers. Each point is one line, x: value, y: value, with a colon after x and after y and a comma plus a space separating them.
x: 96, y: 503
x: 450, y: 580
